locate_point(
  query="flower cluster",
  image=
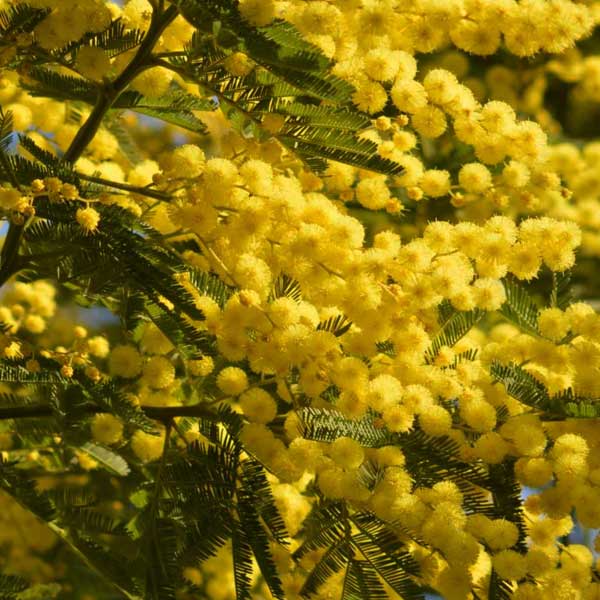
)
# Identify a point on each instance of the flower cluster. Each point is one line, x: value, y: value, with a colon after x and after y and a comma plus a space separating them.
x: 334, y: 292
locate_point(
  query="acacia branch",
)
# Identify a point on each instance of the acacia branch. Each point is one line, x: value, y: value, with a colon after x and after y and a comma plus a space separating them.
x: 107, y: 94
x: 111, y: 90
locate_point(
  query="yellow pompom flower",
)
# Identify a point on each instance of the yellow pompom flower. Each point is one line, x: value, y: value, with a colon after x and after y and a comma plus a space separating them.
x: 373, y: 192
x: 98, y: 346
x: 398, y: 418
x: 435, y: 421
x: 258, y: 12
x: 258, y: 405
x: 491, y: 448
x: 92, y: 62
x: 429, y: 121
x: 153, y: 82
x: 107, y: 429
x: 435, y: 183
x: 479, y: 415
x: 88, y: 218
x: 125, y: 361
x: 347, y: 453
x: 441, y: 86
x: 475, y: 178
x: 500, y: 534
x: 370, y: 96
x: 158, y: 372
x: 147, y: 447
x: 201, y: 367
x: 232, y: 381
x: 510, y: 565
x: 489, y: 294
x: 553, y: 323
x: 409, y: 95
x: 381, y: 64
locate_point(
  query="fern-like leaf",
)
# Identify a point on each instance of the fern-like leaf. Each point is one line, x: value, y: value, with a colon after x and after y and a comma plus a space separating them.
x: 21, y: 18
x: 521, y: 385
x: 520, y: 308
x: 324, y: 425
x: 454, y: 325
x: 562, y: 293
x: 286, y: 287
x: 337, y: 325
x: 109, y: 459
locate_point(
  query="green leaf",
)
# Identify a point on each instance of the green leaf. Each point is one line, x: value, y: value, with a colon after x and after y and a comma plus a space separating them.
x: 567, y: 404
x: 109, y: 459
x: 6, y: 137
x: 11, y: 585
x: 175, y: 107
x: 42, y: 81
x: 521, y: 385
x: 314, y: 144
x: 242, y: 565
x: 114, y: 40
x: 6, y: 130
x: 454, y: 325
x: 11, y: 373
x: 386, y: 554
x: 562, y: 293
x: 23, y: 489
x: 334, y: 559
x: 362, y: 583
x: 520, y: 308
x: 286, y: 287
x: 300, y: 113
x: 21, y: 18
x: 337, y: 325
x: 255, y: 484
x: 324, y: 425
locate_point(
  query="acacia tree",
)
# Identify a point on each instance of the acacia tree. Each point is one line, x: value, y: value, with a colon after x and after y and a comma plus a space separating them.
x: 284, y: 315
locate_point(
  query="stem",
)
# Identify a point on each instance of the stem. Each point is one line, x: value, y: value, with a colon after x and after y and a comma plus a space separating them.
x: 109, y: 93
x: 142, y: 191
x: 154, y: 512
x: 64, y: 536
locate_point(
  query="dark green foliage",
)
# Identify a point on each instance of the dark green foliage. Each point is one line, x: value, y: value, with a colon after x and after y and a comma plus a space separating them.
x: 114, y: 40
x: 288, y: 68
x: 46, y: 82
x: 506, y: 496
x: 327, y: 425
x: 386, y: 554
x: 10, y: 585
x: 21, y: 18
x: 23, y: 489
x: 6, y: 136
x: 175, y: 107
x: 342, y: 534
x: 223, y: 496
x: 110, y: 398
